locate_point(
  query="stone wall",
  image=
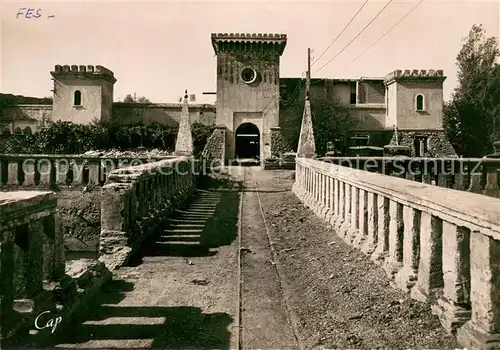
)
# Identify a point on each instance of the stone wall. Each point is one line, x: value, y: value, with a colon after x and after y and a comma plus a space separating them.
x: 278, y: 143
x: 76, y: 181
x: 437, y: 146
x: 137, y: 200
x: 439, y: 245
x: 34, y: 276
x: 214, y: 151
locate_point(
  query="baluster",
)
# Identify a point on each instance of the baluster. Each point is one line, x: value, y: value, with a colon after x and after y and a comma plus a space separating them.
x: 406, y: 277
x: 453, y: 307
x: 430, y: 278
x: 384, y: 219
x: 483, y: 330
x: 393, y: 261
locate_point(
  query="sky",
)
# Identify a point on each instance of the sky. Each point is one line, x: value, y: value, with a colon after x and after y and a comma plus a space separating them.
x: 159, y: 49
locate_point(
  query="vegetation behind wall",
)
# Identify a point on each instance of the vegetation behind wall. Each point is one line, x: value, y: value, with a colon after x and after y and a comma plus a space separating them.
x: 69, y: 138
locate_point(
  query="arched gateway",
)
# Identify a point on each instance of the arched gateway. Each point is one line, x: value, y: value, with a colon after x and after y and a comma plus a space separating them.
x: 247, y: 141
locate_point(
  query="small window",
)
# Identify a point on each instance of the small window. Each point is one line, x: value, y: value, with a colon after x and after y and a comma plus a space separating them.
x: 420, y: 103
x: 18, y: 130
x: 77, y: 101
x: 27, y: 130
x: 353, y: 95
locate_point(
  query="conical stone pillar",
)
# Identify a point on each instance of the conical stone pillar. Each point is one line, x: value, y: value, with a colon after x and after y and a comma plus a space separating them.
x: 184, y: 143
x: 307, y: 147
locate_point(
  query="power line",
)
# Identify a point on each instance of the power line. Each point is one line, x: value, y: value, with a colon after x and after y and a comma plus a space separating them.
x: 343, y: 30
x: 362, y: 30
x: 387, y: 32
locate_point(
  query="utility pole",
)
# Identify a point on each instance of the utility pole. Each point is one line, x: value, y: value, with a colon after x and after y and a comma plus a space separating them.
x: 308, y: 74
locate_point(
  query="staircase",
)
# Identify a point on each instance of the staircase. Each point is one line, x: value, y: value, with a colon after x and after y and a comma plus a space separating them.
x: 185, y: 227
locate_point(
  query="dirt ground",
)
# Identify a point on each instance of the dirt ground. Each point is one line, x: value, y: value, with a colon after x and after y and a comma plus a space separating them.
x: 341, y: 298
x: 301, y: 287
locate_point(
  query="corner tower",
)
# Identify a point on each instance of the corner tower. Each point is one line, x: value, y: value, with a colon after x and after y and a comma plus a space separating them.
x: 248, y: 90
x: 82, y: 94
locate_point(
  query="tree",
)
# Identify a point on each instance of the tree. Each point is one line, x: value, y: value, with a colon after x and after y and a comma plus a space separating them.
x: 471, y: 118
x: 332, y: 120
x: 130, y: 99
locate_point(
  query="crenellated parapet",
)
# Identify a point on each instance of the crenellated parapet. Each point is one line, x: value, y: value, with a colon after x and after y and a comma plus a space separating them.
x: 415, y: 74
x: 249, y: 42
x: 88, y: 71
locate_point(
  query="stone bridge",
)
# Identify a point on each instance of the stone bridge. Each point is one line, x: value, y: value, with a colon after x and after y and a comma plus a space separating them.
x: 330, y: 255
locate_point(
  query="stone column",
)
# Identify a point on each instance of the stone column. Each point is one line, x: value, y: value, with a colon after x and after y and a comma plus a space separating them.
x: 355, y: 214
x: 345, y: 223
x: 384, y: 219
x: 406, y: 277
x: 393, y: 261
x: 336, y: 201
x: 453, y: 307
x: 184, y: 142
x: 362, y: 231
x: 306, y: 147
x: 483, y: 330
x: 372, y: 227
x: 491, y: 188
x: 430, y: 278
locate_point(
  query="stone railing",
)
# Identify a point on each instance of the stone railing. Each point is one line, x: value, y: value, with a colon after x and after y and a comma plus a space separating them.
x: 137, y: 200
x: 49, y: 171
x: 36, y: 283
x: 477, y: 175
x: 439, y: 245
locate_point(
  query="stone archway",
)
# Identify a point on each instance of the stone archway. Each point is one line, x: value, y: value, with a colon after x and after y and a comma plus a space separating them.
x: 247, y: 141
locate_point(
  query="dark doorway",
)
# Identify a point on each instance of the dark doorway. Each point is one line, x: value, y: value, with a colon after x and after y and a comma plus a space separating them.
x: 247, y: 141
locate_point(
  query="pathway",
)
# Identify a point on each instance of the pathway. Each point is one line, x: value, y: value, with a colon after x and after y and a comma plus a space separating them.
x: 301, y: 286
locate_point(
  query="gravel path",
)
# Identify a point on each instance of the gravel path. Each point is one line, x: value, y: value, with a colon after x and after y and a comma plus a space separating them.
x: 341, y: 298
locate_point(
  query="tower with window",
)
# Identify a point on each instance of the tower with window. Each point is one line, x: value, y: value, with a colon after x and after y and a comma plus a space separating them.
x: 415, y: 100
x: 248, y: 90
x: 82, y: 94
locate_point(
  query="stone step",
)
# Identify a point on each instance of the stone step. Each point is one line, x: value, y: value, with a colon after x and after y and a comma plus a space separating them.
x: 178, y: 243
x: 193, y: 225
x: 178, y: 238
x: 187, y: 220
x: 183, y: 230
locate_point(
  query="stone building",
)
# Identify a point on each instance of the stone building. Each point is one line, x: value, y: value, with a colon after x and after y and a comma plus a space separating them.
x: 249, y: 94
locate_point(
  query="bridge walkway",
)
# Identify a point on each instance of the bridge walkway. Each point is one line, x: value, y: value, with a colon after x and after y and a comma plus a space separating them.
x: 265, y: 272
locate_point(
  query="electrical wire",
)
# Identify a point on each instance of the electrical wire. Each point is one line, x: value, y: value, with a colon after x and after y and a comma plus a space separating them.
x: 343, y: 30
x: 350, y: 42
x: 388, y: 31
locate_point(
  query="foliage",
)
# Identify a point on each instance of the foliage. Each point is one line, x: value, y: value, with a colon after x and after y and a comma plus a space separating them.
x: 68, y: 138
x: 331, y: 120
x: 471, y: 119
x: 130, y: 99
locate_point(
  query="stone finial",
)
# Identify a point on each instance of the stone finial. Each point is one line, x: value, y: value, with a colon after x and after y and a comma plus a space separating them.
x: 66, y: 68
x: 186, y: 94
x: 306, y: 147
x: 414, y: 72
x: 432, y: 73
x: 423, y: 72
x: 407, y: 72
x: 184, y: 142
x: 58, y: 68
x: 90, y: 68
x: 439, y: 72
x: 82, y: 69
x: 74, y: 68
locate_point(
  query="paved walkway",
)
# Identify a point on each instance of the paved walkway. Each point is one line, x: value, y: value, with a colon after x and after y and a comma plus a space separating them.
x: 295, y: 285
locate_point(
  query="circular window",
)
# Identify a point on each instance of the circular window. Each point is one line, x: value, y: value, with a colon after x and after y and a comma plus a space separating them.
x: 248, y: 75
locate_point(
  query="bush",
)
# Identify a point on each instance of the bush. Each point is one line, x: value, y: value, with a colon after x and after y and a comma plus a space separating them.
x: 69, y: 138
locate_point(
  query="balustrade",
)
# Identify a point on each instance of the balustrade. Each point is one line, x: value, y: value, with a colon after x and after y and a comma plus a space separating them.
x: 437, y: 244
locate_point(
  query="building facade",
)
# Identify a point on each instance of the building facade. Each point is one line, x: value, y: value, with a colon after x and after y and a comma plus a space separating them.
x: 249, y: 94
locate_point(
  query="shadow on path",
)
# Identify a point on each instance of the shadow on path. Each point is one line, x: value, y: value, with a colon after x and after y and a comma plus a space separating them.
x: 112, y: 325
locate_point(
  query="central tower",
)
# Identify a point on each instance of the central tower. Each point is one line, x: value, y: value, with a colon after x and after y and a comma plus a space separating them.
x: 248, y: 93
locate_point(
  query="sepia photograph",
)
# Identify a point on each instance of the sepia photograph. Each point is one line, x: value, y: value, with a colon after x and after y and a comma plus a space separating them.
x: 250, y: 174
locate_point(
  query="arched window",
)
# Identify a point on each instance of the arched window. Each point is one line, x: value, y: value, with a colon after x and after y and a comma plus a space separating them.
x: 6, y: 131
x: 27, y: 130
x: 18, y: 130
x: 419, y: 103
x: 77, y: 101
